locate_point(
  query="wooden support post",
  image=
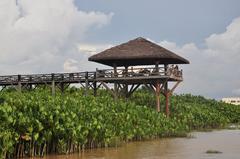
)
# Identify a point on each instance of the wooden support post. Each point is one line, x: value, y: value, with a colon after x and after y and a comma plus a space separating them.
x: 53, y: 85
x: 110, y: 90
x: 156, y: 67
x: 166, y: 92
x: 158, y: 90
x: 30, y: 84
x: 165, y: 69
x: 62, y: 84
x: 115, y: 70
x: 166, y: 99
x: 125, y: 85
x: 19, y: 87
x: 150, y: 87
x: 125, y: 90
x: 2, y: 88
x: 115, y: 84
x: 95, y: 85
x: 86, y: 83
x: 132, y: 90
x: 167, y: 104
x: 62, y: 87
x: 174, y: 87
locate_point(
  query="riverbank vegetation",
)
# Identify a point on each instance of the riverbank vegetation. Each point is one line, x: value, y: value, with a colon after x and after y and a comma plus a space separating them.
x: 35, y: 123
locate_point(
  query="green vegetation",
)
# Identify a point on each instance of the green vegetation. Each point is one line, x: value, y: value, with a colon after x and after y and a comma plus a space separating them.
x: 35, y: 123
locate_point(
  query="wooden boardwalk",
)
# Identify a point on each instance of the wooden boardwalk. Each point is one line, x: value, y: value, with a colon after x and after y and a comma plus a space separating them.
x: 121, y: 78
x: 55, y: 80
x: 78, y: 77
x: 108, y: 75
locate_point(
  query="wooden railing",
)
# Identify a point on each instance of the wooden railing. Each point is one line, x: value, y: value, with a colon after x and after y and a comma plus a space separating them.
x: 91, y: 76
x: 139, y: 72
x: 45, y: 78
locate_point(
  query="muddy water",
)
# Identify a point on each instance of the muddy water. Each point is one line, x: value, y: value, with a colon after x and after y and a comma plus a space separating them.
x: 226, y: 141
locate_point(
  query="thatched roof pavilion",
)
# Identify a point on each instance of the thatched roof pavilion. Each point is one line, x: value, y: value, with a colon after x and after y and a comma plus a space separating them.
x: 140, y: 52
x: 137, y: 52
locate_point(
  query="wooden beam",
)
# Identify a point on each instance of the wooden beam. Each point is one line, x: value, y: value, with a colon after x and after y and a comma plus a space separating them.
x: 165, y: 69
x: 86, y: 83
x: 166, y: 99
x: 95, y: 88
x: 62, y: 87
x: 125, y: 90
x: 132, y: 87
x: 150, y: 87
x: 111, y: 91
x: 19, y: 86
x: 95, y: 85
x: 98, y: 86
x: 83, y: 86
x: 2, y: 88
x: 132, y: 90
x: 163, y: 85
x: 174, y: 87
x: 119, y: 87
x: 168, y: 93
x: 157, y: 86
x: 156, y: 66
x: 167, y: 105
x: 125, y: 86
x: 115, y: 83
x: 53, y: 86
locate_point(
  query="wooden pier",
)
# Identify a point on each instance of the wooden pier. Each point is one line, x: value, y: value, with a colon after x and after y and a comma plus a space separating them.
x: 137, y: 75
x: 135, y: 63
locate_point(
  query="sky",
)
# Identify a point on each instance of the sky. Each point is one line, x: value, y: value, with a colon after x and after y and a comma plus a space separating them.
x: 45, y: 36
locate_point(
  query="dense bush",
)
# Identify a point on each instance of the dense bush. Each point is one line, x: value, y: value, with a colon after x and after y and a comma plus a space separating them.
x: 36, y: 123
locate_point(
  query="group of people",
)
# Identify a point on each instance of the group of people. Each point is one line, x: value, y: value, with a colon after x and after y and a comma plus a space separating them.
x: 173, y: 69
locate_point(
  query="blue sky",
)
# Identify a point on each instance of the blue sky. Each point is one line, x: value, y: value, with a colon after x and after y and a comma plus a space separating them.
x: 181, y: 21
x: 45, y: 36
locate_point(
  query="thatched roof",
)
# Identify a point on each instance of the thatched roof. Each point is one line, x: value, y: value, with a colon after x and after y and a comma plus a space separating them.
x: 137, y: 52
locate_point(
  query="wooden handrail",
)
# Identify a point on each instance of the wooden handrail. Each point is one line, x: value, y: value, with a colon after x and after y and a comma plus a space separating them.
x: 46, y: 77
x: 78, y: 76
x: 141, y: 71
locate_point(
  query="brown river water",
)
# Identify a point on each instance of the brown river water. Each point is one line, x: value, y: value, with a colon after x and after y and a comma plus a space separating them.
x: 195, y: 147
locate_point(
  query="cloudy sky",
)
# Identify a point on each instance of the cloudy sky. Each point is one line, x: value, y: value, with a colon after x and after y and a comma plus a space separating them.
x: 44, y: 36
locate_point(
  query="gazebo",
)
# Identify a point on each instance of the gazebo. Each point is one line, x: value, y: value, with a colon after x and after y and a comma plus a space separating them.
x: 131, y: 64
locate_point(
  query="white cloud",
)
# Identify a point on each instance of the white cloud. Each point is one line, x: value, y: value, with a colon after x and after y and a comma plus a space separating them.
x: 214, y: 70
x: 70, y: 65
x: 38, y: 36
x: 93, y: 48
x: 236, y: 92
